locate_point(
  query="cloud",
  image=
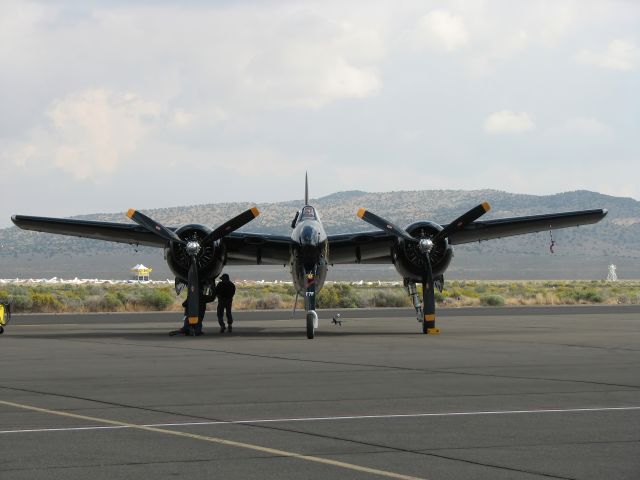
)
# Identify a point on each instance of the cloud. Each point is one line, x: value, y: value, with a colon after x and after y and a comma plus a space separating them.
x: 506, y: 122
x: 443, y: 31
x: 88, y: 133
x: 620, y: 55
x: 589, y: 126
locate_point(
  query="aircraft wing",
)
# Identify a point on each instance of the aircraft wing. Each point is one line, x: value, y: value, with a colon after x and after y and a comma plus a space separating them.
x: 506, y: 227
x: 241, y: 248
x: 257, y: 249
x: 112, y: 232
x: 367, y: 247
x: 375, y: 247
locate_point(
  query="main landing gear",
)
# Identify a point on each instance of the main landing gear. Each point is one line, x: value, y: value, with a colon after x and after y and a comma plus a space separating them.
x: 428, y: 321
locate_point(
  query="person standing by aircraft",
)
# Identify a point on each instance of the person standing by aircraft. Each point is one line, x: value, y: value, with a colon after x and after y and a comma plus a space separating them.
x: 207, y: 295
x: 225, y: 289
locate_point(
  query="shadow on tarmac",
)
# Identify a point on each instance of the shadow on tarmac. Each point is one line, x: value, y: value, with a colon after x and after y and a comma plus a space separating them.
x: 252, y: 333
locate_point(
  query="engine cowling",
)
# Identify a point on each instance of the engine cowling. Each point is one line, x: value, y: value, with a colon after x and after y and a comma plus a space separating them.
x: 408, y: 259
x: 210, y: 258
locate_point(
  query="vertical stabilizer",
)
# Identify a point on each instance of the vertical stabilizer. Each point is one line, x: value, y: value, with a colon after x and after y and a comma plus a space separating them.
x: 306, y: 189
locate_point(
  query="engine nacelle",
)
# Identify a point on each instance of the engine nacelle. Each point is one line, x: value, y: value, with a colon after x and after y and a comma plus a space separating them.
x: 408, y: 259
x: 210, y: 259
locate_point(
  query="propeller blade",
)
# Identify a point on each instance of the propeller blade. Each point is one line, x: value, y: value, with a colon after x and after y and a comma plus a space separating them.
x: 193, y: 292
x: 428, y: 296
x: 231, y: 225
x: 463, y: 220
x: 385, y: 225
x: 153, y: 226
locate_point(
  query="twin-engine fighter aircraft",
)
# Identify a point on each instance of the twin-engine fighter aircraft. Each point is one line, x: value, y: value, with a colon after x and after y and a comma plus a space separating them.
x: 421, y: 252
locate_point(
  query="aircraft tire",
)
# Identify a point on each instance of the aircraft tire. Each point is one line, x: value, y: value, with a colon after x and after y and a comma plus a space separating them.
x: 1, y: 330
x: 424, y: 327
x: 310, y: 327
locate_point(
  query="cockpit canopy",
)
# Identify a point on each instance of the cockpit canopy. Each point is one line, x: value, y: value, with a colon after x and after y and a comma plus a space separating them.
x: 308, y: 213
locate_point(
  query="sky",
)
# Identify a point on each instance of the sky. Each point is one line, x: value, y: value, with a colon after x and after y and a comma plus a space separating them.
x: 110, y: 105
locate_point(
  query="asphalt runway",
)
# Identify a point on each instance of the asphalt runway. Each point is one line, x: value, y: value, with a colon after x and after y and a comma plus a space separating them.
x: 499, y: 394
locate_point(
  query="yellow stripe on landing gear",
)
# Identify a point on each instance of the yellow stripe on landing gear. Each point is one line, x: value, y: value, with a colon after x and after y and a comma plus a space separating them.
x: 433, y: 331
x: 193, y: 320
x: 430, y: 318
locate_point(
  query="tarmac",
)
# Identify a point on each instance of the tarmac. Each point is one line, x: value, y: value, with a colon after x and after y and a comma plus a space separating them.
x: 504, y: 393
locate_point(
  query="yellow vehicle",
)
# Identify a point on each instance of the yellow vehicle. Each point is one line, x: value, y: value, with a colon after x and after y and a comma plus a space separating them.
x: 5, y: 316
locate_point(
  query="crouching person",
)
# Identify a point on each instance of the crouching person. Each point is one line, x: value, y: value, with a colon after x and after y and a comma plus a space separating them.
x: 207, y: 295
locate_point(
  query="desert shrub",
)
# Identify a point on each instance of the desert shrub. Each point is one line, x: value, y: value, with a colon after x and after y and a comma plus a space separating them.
x: 45, y: 302
x: 269, y: 302
x: 385, y: 298
x: 111, y: 302
x: 157, y: 298
x: 492, y: 300
x: 339, y: 296
x: 14, y: 290
x: 20, y: 303
x: 590, y: 296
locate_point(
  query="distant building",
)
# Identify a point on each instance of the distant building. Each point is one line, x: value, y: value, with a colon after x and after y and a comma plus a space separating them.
x: 141, y: 273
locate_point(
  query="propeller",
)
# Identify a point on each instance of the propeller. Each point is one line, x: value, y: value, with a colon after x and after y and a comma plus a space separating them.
x: 425, y: 245
x: 462, y: 221
x: 193, y: 248
x: 231, y: 225
x: 153, y: 226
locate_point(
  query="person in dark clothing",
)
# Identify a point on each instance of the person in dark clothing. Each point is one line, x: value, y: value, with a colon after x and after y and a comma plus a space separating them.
x: 225, y: 289
x: 206, y: 295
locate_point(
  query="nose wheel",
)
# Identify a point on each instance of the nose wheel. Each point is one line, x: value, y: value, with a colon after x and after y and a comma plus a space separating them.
x: 312, y: 324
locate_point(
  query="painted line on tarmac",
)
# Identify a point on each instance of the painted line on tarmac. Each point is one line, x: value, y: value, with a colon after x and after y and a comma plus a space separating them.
x: 122, y: 425
x: 219, y: 441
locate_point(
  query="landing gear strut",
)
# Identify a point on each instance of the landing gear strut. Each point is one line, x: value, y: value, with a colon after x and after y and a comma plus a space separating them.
x: 410, y: 285
x: 310, y: 303
x: 428, y: 321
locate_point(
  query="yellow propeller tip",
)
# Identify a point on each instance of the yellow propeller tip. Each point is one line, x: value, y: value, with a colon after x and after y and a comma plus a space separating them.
x: 361, y: 212
x: 131, y: 212
x: 486, y: 206
x: 255, y: 212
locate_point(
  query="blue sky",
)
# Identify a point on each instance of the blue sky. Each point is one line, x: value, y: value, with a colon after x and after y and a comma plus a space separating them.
x: 113, y: 105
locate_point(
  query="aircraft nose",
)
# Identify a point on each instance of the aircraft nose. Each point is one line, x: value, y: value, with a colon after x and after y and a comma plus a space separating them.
x: 309, y: 236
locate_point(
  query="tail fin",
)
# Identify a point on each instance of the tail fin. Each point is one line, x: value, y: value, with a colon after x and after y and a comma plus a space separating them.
x: 306, y: 189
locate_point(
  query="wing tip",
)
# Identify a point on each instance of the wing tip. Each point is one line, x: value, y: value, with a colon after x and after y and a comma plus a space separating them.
x: 361, y: 212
